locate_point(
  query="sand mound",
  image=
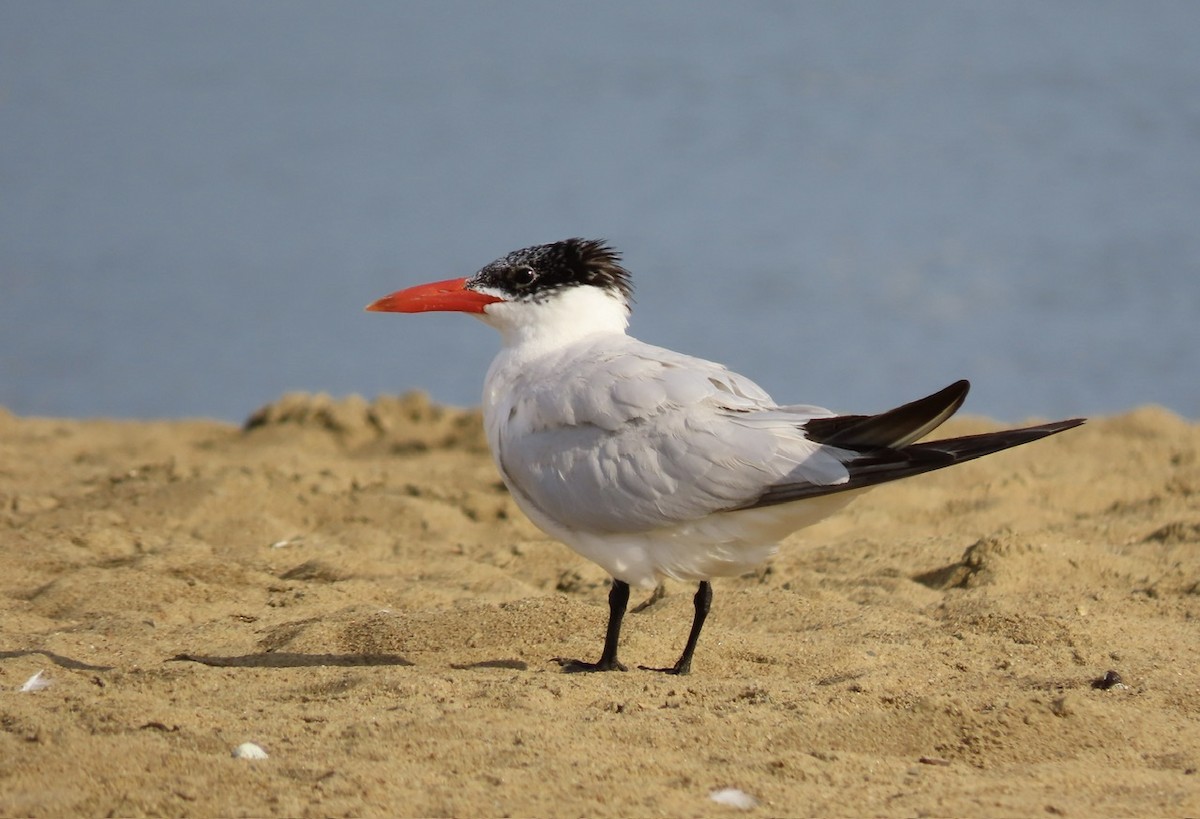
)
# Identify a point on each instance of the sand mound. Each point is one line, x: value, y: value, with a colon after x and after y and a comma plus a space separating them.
x: 347, y: 584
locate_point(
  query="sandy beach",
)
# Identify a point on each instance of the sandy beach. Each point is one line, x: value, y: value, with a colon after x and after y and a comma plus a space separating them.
x: 347, y: 585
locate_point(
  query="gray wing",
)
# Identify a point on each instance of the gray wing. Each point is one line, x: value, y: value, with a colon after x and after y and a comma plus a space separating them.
x: 634, y: 437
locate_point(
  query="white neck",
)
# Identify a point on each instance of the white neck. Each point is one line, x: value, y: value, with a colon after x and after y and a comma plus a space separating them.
x: 564, y: 317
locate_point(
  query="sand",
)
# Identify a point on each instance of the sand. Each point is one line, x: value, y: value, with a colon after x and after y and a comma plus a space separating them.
x: 348, y: 586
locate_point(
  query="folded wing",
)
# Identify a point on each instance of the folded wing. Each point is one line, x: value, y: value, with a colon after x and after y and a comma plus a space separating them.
x: 644, y: 438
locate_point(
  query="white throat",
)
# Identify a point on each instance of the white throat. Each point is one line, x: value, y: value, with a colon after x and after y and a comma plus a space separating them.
x: 563, y: 317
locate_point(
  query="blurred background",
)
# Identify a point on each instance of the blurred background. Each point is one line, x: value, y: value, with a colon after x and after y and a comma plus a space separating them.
x: 852, y: 203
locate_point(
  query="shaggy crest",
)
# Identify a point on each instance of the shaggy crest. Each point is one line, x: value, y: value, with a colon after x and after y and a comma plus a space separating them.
x: 532, y: 273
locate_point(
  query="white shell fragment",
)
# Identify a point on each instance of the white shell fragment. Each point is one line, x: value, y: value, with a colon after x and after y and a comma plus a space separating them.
x: 35, y: 683
x: 248, y: 750
x: 734, y: 798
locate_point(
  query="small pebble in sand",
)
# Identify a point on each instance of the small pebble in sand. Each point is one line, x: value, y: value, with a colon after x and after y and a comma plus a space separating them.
x: 734, y: 798
x: 1109, y: 681
x: 248, y: 750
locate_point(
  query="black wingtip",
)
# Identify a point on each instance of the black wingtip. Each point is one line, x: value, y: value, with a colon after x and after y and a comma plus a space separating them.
x: 888, y: 464
x: 895, y: 428
x: 969, y: 447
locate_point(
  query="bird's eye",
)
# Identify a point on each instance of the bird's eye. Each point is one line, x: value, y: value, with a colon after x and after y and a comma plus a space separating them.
x: 523, y: 276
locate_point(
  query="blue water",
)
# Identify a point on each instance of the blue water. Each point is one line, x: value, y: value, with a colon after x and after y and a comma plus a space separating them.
x: 852, y: 203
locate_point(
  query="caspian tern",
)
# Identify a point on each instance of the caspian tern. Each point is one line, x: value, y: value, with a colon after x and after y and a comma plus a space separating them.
x: 652, y: 463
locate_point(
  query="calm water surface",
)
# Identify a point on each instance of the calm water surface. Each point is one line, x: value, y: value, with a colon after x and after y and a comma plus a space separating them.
x: 852, y: 203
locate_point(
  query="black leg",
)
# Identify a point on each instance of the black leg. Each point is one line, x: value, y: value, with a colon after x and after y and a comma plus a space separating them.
x: 703, y: 602
x: 618, y: 600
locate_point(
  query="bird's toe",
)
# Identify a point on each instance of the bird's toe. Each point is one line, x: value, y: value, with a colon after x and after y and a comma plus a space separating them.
x: 570, y: 666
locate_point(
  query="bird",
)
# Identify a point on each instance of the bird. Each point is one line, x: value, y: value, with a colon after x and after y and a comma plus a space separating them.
x: 658, y: 465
